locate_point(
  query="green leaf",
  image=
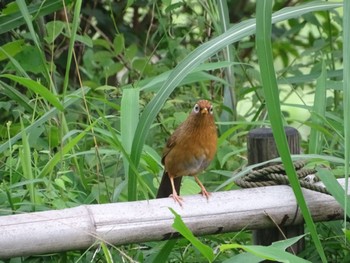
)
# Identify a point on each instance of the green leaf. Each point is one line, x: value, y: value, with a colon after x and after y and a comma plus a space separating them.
x: 180, y: 226
x: 118, y: 44
x: 59, y: 182
x: 37, y: 88
x: 284, y: 244
x: 28, y: 61
x: 131, y: 51
x: 11, y: 49
x: 72, y: 38
x: 108, y: 257
x: 53, y: 29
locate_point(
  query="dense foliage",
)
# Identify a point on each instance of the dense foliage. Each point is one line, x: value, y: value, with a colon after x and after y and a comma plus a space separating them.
x: 91, y: 90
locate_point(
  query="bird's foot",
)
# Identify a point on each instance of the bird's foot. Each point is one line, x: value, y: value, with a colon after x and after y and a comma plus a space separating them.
x: 205, y: 193
x: 177, y: 198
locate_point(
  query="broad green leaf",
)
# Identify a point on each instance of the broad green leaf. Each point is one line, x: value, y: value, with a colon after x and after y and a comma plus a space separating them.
x: 268, y: 253
x: 11, y: 49
x: 118, y: 44
x: 180, y: 226
x: 16, y: 64
x: 284, y: 244
x: 53, y: 29
x: 243, y: 257
x: 129, y: 116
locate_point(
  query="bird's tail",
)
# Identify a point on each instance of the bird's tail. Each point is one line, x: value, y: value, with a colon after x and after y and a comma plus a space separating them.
x: 165, y: 188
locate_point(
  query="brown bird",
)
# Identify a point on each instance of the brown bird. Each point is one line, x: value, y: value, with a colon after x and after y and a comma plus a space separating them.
x: 189, y: 150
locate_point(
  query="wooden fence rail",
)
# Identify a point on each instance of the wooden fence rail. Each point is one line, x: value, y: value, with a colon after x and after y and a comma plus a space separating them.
x: 133, y: 222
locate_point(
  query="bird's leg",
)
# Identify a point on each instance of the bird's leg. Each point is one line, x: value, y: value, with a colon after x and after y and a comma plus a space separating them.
x: 204, y: 191
x: 174, y: 195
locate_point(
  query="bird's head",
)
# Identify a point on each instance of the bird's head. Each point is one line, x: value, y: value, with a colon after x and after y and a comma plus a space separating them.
x: 202, y: 108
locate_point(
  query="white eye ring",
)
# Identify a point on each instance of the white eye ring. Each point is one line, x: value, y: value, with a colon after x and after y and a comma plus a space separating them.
x: 211, y: 110
x: 196, y: 108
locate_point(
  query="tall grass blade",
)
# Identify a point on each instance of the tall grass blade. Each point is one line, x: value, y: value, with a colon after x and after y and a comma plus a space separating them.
x: 269, y: 82
x: 333, y: 187
x: 73, y: 34
x: 129, y: 116
x: 26, y: 160
x: 107, y: 254
x: 155, y: 83
x: 346, y: 88
x: 318, y: 111
x: 229, y: 99
x: 27, y: 17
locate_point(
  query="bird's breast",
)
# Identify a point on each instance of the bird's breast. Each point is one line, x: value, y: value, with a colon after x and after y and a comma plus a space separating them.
x: 192, y: 154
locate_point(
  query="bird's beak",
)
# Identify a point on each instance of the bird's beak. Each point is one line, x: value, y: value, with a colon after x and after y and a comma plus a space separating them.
x: 204, y: 111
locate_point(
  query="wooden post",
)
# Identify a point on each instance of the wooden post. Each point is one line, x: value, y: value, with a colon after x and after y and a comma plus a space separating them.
x: 262, y: 147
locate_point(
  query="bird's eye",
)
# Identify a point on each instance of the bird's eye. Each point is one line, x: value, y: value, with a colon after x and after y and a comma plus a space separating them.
x: 196, y: 108
x: 211, y: 110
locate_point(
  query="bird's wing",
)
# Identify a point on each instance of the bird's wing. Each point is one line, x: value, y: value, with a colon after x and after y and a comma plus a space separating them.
x: 169, y: 145
x: 173, y: 140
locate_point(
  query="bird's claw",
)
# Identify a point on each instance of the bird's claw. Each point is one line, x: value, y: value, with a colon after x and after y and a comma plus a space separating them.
x: 177, y: 198
x: 205, y: 193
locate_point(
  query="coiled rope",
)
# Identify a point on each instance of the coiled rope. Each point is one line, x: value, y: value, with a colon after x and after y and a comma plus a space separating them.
x: 276, y: 175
